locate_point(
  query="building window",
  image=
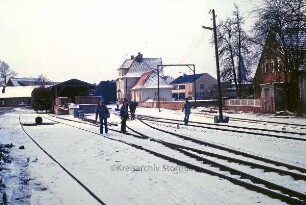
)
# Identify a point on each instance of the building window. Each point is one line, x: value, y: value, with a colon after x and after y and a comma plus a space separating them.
x: 266, y: 66
x: 175, y: 96
x: 175, y: 87
x: 181, y: 96
x: 279, y: 64
x: 181, y: 87
x: 272, y: 66
x: 200, y: 96
x: 201, y: 86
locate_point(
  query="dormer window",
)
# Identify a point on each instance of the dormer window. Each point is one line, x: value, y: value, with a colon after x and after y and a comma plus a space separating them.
x: 272, y: 66
x: 279, y: 64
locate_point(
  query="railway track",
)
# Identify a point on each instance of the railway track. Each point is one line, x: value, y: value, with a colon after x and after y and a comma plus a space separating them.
x: 265, y: 168
x: 233, y: 126
x: 246, y: 180
x: 265, y: 122
x: 91, y: 193
x: 227, y: 128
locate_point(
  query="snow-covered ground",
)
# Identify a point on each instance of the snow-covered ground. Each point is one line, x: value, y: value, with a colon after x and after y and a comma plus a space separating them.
x: 120, y: 174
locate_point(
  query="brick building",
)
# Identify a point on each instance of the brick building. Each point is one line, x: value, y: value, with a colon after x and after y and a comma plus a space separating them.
x: 269, y: 79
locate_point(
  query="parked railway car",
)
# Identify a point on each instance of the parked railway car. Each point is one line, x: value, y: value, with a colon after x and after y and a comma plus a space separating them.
x: 41, y: 99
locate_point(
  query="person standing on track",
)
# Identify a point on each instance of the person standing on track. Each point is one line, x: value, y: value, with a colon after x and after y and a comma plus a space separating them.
x: 186, y: 108
x: 133, y: 106
x: 124, y: 116
x: 103, y: 113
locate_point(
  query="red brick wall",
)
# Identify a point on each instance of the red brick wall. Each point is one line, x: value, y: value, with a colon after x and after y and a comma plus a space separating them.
x: 167, y: 105
x: 177, y: 105
x: 87, y: 99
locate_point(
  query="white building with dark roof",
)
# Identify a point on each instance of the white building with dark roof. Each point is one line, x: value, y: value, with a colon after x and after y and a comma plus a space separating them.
x: 146, y: 88
x: 131, y: 71
x: 16, y: 96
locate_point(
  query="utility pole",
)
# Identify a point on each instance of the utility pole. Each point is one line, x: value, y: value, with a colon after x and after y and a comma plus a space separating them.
x: 214, y: 29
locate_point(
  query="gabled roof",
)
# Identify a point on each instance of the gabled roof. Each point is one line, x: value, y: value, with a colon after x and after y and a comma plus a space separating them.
x: 21, y: 81
x: 74, y: 82
x: 150, y: 80
x: 126, y: 64
x: 26, y: 82
x: 72, y: 88
x: 187, y: 78
x: 138, y: 65
x: 293, y: 40
x: 146, y: 64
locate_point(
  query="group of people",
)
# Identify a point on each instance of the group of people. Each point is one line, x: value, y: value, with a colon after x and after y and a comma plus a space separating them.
x: 103, y: 114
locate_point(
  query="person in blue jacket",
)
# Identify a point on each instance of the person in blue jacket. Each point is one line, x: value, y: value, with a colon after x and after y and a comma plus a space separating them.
x: 124, y: 115
x: 186, y: 108
x: 103, y: 113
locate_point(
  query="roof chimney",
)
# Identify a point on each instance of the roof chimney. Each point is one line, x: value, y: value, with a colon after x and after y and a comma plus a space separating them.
x: 139, y: 57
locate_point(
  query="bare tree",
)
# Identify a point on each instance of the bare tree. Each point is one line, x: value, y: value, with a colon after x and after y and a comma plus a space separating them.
x: 234, y: 48
x: 42, y: 79
x: 286, y: 20
x: 227, y: 52
x: 5, y: 74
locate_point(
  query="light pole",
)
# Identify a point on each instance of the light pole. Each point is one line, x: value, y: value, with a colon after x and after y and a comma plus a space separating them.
x: 214, y: 29
x: 126, y: 89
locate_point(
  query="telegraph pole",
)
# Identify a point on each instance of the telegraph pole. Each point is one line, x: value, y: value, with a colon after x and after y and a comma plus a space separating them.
x: 214, y: 29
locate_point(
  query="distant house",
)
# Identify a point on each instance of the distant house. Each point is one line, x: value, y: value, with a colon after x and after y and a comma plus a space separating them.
x: 18, y: 91
x: 70, y: 91
x: 183, y: 86
x: 16, y: 96
x: 268, y: 79
x: 131, y: 71
x: 14, y: 81
x: 228, y: 90
x: 146, y: 88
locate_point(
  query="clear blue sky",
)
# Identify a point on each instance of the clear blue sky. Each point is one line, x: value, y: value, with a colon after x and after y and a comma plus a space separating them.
x: 89, y: 39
